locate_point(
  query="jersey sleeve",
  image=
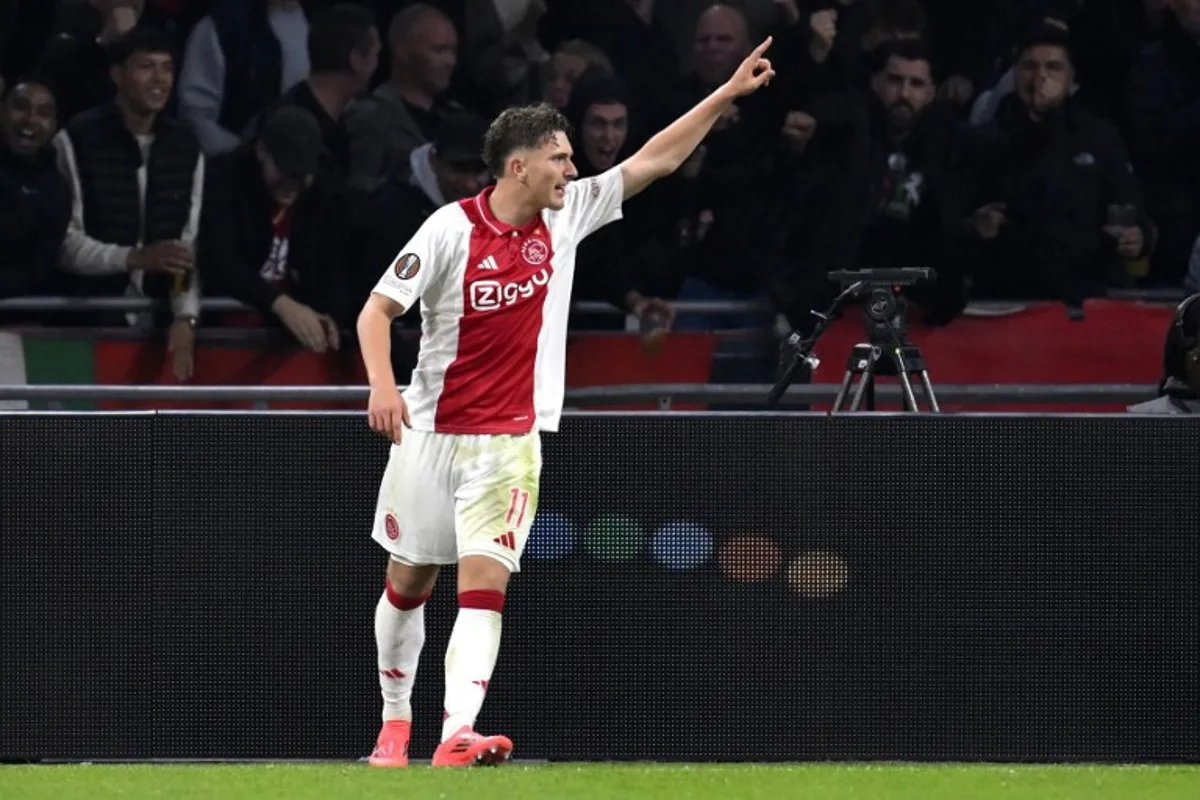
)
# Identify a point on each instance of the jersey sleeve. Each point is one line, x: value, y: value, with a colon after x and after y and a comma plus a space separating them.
x: 415, y: 266
x: 594, y: 202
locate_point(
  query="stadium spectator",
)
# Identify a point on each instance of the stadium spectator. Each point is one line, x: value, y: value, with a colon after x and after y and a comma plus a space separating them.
x: 136, y: 181
x: 563, y: 69
x: 607, y: 266
x: 343, y: 53
x: 34, y: 202
x: 1179, y: 390
x: 271, y: 234
x: 917, y: 201
x: 845, y: 33
x: 401, y: 114
x: 445, y: 170
x: 75, y: 59
x: 630, y: 35
x: 1046, y: 173
x: 1164, y: 103
x: 718, y: 214
x: 239, y: 60
x: 503, y: 56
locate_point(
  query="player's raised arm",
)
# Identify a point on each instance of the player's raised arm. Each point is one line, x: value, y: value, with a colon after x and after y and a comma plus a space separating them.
x: 670, y: 147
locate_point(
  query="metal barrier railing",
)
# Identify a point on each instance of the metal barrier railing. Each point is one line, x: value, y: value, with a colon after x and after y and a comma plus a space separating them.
x: 226, y: 304
x: 665, y: 394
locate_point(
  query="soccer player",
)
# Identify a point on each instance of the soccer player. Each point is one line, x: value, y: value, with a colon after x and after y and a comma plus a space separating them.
x: 493, y: 274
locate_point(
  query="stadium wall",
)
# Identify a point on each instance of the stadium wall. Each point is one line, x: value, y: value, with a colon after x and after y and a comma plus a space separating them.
x: 771, y: 587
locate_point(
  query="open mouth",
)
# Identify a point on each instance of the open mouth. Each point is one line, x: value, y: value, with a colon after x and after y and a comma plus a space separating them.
x: 28, y: 136
x: 156, y: 95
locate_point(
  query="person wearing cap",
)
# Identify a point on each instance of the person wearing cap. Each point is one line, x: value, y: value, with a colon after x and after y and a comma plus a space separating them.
x: 442, y: 171
x: 136, y: 178
x: 271, y: 232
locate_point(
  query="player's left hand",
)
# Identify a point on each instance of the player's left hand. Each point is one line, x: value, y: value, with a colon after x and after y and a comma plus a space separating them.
x: 753, y: 73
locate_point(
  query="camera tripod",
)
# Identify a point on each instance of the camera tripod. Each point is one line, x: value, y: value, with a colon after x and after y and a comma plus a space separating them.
x: 887, y: 353
x: 869, y: 361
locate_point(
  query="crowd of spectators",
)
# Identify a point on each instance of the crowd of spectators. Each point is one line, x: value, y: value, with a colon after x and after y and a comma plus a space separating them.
x: 280, y: 152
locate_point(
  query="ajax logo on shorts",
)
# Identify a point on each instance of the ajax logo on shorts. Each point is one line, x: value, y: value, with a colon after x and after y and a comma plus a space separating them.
x: 492, y: 295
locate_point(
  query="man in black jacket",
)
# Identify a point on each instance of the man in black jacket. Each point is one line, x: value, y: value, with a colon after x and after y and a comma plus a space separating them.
x: 34, y: 202
x: 917, y: 201
x: 883, y: 186
x: 136, y: 179
x: 271, y: 231
x: 1046, y: 172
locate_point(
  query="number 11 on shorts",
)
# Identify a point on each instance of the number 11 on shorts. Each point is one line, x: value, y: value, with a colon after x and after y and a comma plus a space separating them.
x: 516, y: 507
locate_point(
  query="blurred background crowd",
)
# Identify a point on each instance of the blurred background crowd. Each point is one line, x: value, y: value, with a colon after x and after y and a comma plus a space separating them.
x: 281, y: 152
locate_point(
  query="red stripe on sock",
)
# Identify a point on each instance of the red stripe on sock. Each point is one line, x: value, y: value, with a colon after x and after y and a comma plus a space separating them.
x: 483, y: 599
x: 401, y: 602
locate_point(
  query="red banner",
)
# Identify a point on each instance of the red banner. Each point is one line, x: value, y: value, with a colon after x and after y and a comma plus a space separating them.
x: 1116, y: 342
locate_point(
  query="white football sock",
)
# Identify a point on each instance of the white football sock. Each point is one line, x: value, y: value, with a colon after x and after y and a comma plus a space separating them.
x: 470, y: 659
x: 399, y: 636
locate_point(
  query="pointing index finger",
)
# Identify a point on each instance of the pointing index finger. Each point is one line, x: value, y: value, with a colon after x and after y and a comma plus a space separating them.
x: 762, y: 48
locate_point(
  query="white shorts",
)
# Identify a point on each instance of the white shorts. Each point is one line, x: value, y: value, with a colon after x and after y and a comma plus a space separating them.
x: 445, y: 496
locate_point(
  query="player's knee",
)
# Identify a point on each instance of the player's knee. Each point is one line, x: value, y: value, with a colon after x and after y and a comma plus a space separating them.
x: 409, y: 586
x: 482, y: 573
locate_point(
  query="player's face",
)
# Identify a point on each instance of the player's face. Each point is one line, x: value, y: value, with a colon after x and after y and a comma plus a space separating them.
x: 548, y: 170
x: 28, y: 118
x: 603, y: 132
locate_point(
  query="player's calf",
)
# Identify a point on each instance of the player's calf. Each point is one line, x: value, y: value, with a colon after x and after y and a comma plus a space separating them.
x: 399, y: 637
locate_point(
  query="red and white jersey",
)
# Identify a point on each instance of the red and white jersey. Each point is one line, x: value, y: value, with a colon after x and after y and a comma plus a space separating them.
x: 494, y: 305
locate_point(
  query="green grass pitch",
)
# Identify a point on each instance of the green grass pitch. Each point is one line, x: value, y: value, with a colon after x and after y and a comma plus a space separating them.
x: 604, y: 781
